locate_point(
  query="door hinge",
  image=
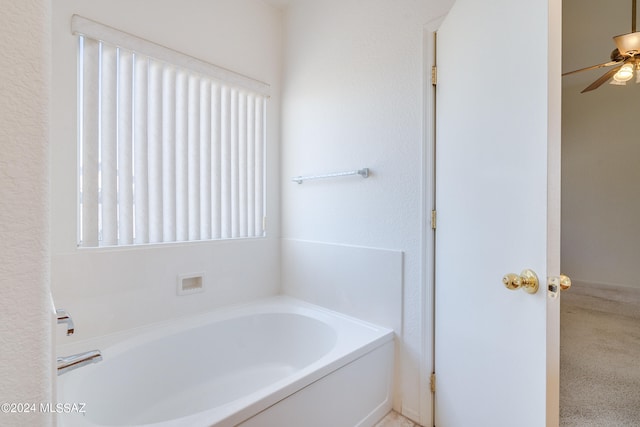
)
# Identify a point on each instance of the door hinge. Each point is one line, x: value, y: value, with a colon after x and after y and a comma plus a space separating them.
x: 433, y: 219
x: 434, y: 75
x: 432, y: 382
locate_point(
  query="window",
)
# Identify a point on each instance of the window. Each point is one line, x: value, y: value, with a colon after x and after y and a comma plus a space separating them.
x: 171, y: 149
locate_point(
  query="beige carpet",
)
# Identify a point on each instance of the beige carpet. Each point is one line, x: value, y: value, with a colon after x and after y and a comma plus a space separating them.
x: 600, y: 357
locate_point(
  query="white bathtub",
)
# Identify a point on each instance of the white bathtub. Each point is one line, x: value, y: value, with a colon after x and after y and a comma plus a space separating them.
x: 274, y: 363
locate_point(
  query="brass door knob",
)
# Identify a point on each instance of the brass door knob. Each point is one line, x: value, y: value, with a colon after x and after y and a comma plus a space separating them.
x: 527, y: 280
x: 561, y: 282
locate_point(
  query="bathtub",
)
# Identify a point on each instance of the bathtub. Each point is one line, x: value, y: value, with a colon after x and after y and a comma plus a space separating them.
x: 277, y: 362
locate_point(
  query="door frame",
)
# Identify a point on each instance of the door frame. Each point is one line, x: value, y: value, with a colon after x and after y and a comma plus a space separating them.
x: 427, y: 397
x: 554, y: 161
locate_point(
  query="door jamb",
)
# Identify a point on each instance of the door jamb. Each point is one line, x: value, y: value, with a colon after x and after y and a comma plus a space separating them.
x: 427, y: 365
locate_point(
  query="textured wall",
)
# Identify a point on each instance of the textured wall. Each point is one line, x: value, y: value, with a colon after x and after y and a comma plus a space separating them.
x: 25, y: 319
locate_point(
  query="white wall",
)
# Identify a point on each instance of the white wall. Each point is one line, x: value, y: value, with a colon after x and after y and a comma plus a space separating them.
x: 26, y: 313
x: 600, y: 185
x: 107, y: 290
x: 352, y: 98
x: 600, y: 152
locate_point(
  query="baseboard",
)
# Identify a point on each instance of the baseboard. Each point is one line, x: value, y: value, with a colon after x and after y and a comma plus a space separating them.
x: 608, y: 291
x: 410, y: 414
x: 579, y: 283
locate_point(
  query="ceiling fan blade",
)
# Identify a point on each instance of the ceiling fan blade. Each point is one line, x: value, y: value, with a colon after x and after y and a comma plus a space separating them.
x: 593, y: 67
x: 603, y: 79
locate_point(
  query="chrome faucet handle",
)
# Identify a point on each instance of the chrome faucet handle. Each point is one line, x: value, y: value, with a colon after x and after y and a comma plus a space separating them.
x: 75, y: 361
x: 64, y: 317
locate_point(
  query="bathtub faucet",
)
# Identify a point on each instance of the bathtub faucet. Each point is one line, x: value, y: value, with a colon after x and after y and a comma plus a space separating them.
x: 64, y: 317
x: 75, y: 361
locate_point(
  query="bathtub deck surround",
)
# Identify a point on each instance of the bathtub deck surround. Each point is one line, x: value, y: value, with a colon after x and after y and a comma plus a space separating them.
x: 268, y: 362
x: 337, y: 276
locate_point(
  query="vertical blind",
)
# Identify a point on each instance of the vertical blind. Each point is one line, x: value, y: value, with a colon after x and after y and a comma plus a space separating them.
x: 171, y: 149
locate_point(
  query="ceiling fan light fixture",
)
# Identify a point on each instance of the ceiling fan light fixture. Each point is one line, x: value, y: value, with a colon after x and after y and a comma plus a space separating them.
x: 624, y: 74
x: 628, y: 44
x: 625, y: 58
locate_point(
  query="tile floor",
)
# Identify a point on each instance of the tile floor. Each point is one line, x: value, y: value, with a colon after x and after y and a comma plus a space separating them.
x: 393, y: 419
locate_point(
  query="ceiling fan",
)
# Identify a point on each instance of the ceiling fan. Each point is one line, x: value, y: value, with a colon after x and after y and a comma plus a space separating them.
x: 626, y: 58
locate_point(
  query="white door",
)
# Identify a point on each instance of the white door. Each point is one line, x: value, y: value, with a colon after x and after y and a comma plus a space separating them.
x: 497, y: 201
